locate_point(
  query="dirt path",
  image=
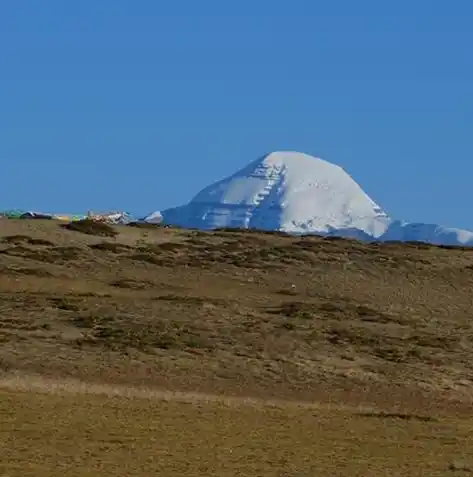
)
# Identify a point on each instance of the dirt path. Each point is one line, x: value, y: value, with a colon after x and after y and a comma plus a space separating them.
x: 40, y: 384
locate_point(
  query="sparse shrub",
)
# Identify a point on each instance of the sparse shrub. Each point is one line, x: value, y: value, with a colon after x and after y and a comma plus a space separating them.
x: 399, y: 415
x: 294, y: 309
x: 246, y: 230
x: 5, y: 364
x: 336, y: 238
x: 24, y: 239
x: 148, y: 258
x: 353, y: 336
x: 418, y: 244
x: 67, y: 253
x: 131, y: 284
x: 191, y: 300
x: 391, y: 353
x: 52, y: 255
x: 110, y: 247
x: 229, y: 229
x: 145, y: 225
x: 86, y: 321
x: 91, y: 227
x: 64, y: 304
x: 287, y: 292
x: 159, y: 248
x: 36, y: 272
x: 288, y: 325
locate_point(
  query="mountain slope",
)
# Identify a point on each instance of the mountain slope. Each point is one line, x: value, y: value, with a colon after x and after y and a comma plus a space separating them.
x: 287, y: 191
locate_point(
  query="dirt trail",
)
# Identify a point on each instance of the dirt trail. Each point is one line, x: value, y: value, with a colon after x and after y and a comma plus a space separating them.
x: 40, y: 384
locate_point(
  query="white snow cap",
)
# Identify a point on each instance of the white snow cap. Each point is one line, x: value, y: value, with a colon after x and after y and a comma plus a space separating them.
x: 154, y: 218
x: 431, y: 233
x: 287, y: 191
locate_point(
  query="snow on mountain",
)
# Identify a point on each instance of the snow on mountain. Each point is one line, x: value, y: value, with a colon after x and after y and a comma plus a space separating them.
x: 298, y: 193
x: 286, y: 191
x: 153, y: 218
x: 431, y: 233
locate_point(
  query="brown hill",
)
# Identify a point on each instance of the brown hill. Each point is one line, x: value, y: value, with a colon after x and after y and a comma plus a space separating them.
x: 239, y: 313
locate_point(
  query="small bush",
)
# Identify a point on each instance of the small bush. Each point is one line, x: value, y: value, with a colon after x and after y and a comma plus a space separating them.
x: 91, y: 227
x: 159, y: 248
x: 398, y: 415
x: 294, y: 310
x: 67, y: 253
x: 145, y: 225
x: 53, y: 255
x: 64, y: 304
x: 131, y: 284
x: 187, y: 299
x: 110, y: 247
x: 22, y: 239
x: 36, y: 272
x: 288, y: 326
x: 148, y: 258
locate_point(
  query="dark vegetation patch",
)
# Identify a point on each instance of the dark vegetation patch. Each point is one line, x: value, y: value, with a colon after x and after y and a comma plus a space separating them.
x: 66, y: 303
x: 149, y: 258
x: 19, y: 271
x: 120, y: 333
x: 251, y: 231
x: 462, y: 248
x: 399, y: 415
x: 160, y: 248
x: 50, y: 255
x: 132, y: 284
x: 91, y: 227
x: 24, y: 239
x: 412, y: 244
x: 112, y: 247
x: 192, y: 300
x: 364, y: 329
x: 334, y: 238
x: 418, y: 245
x: 336, y: 309
x: 237, y: 254
x: 145, y: 225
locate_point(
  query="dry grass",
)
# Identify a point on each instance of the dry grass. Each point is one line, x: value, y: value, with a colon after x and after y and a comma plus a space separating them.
x: 274, y: 312
x: 269, y: 310
x: 76, y: 430
x: 239, y: 313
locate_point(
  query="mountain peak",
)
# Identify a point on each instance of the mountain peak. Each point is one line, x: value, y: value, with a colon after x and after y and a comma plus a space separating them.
x: 284, y: 190
x: 293, y: 159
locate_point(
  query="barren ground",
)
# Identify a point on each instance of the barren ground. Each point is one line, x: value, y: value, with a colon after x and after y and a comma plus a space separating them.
x: 177, y: 352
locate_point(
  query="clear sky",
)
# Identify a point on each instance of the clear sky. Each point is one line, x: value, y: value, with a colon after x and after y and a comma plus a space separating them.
x: 136, y: 105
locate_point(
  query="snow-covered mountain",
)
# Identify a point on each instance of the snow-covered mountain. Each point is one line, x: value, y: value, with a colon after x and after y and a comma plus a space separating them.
x: 431, y: 233
x: 286, y: 191
x: 298, y: 193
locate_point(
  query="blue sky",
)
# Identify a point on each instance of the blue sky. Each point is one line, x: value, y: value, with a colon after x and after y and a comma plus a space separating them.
x: 131, y: 105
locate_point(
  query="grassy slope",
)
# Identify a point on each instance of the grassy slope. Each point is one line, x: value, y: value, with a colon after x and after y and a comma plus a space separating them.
x: 382, y: 325
x: 89, y: 435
